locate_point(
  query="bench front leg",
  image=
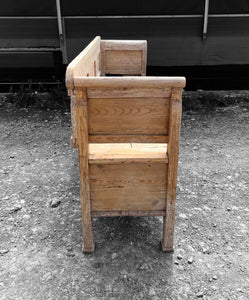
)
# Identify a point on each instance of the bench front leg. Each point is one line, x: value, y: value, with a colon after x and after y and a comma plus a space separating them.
x: 173, y: 150
x: 83, y: 148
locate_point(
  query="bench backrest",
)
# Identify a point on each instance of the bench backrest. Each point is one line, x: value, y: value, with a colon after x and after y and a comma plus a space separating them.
x: 123, y: 57
x: 103, y: 57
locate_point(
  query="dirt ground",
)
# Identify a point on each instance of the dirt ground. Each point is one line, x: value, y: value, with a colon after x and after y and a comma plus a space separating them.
x: 40, y: 245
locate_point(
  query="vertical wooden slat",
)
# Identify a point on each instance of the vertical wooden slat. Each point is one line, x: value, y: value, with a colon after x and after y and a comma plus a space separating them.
x: 73, y: 121
x: 83, y: 147
x: 173, y: 150
x: 102, y: 59
x: 144, y: 60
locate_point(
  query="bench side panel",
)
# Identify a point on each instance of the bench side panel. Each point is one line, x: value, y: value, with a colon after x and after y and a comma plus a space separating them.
x: 128, y: 115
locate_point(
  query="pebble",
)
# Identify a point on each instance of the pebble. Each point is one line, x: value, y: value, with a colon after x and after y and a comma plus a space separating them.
x: 26, y: 217
x: 69, y: 248
x: 15, y: 208
x: 205, y: 250
x: 55, y: 203
x: 144, y: 266
x: 199, y: 294
x: 183, y: 216
x: 179, y: 256
x: 3, y: 251
x: 190, y: 260
x: 114, y: 255
x: 176, y: 262
x: 152, y: 292
x: 228, y: 208
x: 215, y: 277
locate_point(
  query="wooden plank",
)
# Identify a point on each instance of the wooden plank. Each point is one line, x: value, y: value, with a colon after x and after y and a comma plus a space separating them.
x: 173, y: 150
x: 102, y: 59
x: 123, y: 62
x: 73, y: 122
x: 132, y: 213
x: 128, y: 116
x: 83, y: 64
x: 125, y: 57
x: 129, y: 82
x: 127, y: 93
x: 127, y: 153
x: 144, y: 60
x: 128, y: 138
x: 82, y: 131
x: 123, y: 44
x: 128, y: 187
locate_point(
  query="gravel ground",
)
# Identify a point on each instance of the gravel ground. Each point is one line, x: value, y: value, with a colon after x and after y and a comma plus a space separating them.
x: 40, y: 221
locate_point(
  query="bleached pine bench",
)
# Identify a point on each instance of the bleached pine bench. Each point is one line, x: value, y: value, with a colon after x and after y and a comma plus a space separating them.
x: 126, y: 129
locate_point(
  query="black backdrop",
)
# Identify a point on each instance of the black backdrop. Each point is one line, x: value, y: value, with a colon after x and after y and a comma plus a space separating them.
x: 128, y: 7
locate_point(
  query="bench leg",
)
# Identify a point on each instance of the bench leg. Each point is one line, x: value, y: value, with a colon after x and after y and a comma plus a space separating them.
x: 82, y: 134
x: 88, y: 242
x: 173, y: 150
x: 168, y: 236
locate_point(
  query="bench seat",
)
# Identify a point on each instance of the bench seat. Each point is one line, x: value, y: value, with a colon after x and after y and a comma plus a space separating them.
x: 127, y: 153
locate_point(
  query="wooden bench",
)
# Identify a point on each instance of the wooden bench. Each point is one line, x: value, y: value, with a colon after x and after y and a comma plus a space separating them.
x: 127, y: 131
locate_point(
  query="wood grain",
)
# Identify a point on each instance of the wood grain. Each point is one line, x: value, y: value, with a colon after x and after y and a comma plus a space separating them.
x: 122, y: 153
x: 74, y: 142
x: 134, y: 186
x: 123, y: 62
x: 173, y: 150
x: 132, y: 213
x: 128, y: 116
x: 132, y: 138
x: 87, y: 63
x: 129, y: 92
x: 82, y: 131
x: 123, y: 57
x: 129, y: 82
x: 123, y: 44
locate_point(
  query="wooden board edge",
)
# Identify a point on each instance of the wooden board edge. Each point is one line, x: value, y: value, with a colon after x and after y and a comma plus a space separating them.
x: 132, y: 213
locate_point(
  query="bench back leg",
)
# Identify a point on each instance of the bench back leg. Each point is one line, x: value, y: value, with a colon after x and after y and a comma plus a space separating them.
x: 173, y: 150
x: 82, y: 128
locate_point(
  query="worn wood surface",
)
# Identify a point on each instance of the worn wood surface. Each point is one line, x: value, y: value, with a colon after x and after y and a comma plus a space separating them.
x: 132, y: 138
x: 82, y: 128
x: 120, y: 121
x: 173, y: 150
x: 129, y: 82
x: 123, y: 57
x: 136, y: 186
x: 74, y: 142
x: 120, y: 153
x: 123, y: 62
x: 87, y: 63
x: 128, y: 92
x: 132, y: 213
x: 128, y: 116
